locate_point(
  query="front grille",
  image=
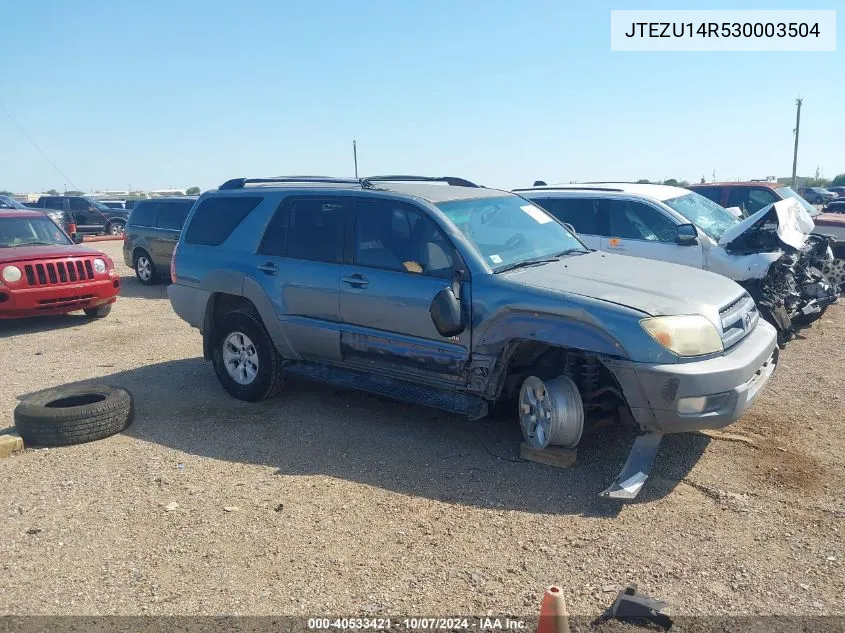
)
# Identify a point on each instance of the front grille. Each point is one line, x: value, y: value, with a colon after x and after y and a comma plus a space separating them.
x: 58, y: 272
x: 738, y: 319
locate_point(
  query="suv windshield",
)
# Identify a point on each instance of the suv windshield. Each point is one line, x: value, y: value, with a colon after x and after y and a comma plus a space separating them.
x: 704, y: 213
x: 509, y: 230
x: 29, y: 231
x: 787, y: 192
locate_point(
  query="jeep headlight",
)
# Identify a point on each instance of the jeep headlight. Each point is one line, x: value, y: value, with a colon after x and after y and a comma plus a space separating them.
x: 99, y: 265
x: 11, y: 274
x: 687, y: 335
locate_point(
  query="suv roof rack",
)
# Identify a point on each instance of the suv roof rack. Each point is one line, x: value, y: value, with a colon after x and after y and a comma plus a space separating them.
x: 452, y: 181
x: 240, y: 183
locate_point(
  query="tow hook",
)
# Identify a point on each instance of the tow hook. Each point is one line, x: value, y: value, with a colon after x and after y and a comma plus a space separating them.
x: 636, y: 470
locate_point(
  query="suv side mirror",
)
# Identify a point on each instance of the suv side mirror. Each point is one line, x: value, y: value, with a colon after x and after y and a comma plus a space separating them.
x: 446, y: 313
x: 76, y: 237
x: 687, y: 234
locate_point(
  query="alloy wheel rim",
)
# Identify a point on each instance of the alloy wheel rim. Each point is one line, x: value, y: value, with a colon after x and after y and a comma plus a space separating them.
x: 143, y: 267
x: 240, y: 358
x: 535, y: 413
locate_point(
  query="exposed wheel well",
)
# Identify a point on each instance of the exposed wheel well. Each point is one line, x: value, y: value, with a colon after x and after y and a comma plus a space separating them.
x: 220, y: 304
x: 600, y: 391
x: 136, y: 252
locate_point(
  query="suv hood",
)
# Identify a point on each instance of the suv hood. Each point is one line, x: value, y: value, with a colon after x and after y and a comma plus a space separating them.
x: 794, y: 224
x: 22, y: 253
x: 653, y: 287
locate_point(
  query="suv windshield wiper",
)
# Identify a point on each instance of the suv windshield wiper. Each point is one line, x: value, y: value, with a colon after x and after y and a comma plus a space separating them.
x: 33, y: 244
x: 545, y: 259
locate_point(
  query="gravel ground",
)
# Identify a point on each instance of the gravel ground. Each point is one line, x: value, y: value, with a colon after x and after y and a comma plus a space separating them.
x: 332, y: 502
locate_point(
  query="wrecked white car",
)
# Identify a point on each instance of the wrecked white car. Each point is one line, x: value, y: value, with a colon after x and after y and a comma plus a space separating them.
x: 771, y: 253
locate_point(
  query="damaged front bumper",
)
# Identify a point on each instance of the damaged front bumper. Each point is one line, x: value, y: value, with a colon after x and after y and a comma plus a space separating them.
x: 689, y: 396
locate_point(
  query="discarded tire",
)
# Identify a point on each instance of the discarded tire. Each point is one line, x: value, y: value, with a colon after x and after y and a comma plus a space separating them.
x: 73, y: 414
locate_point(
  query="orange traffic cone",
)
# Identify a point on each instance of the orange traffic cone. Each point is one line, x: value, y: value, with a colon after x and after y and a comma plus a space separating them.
x: 553, y: 615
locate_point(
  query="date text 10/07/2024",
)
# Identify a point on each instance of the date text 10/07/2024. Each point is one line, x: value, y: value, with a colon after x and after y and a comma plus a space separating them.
x: 722, y: 29
x: 487, y: 623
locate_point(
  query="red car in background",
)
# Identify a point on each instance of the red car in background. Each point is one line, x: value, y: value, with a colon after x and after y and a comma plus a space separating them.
x: 43, y: 271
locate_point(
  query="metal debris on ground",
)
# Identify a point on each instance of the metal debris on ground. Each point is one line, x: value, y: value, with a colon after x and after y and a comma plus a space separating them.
x: 635, y: 608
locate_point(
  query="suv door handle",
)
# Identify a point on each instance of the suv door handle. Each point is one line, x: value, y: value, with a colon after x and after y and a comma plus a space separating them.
x: 356, y: 281
x: 269, y: 267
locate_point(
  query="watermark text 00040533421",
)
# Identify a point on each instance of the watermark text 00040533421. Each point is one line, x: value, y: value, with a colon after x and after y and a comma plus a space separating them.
x: 723, y: 30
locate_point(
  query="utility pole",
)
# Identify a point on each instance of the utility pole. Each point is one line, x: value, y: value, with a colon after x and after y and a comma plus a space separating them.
x: 355, y: 155
x: 798, y: 103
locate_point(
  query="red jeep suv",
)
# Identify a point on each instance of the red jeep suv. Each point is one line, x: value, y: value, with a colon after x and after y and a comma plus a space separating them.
x: 43, y: 271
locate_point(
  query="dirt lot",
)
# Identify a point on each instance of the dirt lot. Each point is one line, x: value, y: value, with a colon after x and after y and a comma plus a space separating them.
x: 330, y: 502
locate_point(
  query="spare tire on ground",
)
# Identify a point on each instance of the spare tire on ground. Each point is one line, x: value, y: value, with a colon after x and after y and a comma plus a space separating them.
x: 73, y: 414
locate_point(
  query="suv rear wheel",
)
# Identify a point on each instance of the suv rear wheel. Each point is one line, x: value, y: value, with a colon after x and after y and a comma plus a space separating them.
x: 145, y: 270
x: 245, y: 359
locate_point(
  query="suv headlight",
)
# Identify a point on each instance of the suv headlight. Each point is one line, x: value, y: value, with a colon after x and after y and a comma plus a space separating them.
x: 99, y: 265
x: 686, y: 335
x: 11, y: 274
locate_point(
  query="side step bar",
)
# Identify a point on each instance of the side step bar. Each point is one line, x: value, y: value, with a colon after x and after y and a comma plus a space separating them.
x: 454, y: 402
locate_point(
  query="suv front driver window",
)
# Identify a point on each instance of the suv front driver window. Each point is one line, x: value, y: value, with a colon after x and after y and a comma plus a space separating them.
x: 395, y: 236
x: 638, y: 221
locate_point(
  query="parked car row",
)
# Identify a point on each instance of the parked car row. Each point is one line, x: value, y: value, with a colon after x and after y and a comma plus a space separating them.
x: 568, y: 303
x: 87, y: 215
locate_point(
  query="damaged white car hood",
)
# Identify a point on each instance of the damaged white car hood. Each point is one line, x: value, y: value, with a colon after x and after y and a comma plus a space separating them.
x: 794, y: 224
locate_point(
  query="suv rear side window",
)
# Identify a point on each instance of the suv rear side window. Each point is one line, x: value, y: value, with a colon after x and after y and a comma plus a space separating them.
x: 54, y: 203
x: 579, y: 212
x: 216, y: 218
x: 172, y: 214
x: 144, y: 214
x: 307, y: 228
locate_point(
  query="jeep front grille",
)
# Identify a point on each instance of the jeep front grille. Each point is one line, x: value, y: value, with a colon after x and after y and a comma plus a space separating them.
x: 738, y: 319
x: 56, y: 272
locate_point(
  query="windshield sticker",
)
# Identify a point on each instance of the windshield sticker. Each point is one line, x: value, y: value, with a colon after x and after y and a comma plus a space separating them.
x: 536, y: 213
x: 495, y: 259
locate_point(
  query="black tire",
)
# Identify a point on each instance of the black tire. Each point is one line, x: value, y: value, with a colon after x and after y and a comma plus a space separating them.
x: 99, y: 312
x: 270, y: 377
x: 140, y: 257
x: 73, y: 414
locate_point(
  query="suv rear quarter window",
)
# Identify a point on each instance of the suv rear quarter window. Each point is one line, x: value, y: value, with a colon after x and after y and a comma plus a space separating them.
x: 308, y: 228
x: 215, y: 218
x: 581, y: 213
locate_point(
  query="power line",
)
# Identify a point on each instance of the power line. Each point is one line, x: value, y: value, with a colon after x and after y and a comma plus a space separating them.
x: 35, y: 145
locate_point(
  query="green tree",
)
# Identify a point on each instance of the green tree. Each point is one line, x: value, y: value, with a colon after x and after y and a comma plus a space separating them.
x: 6, y: 193
x: 192, y: 191
x: 838, y: 181
x: 52, y: 192
x: 671, y: 182
x: 74, y: 193
x: 643, y: 181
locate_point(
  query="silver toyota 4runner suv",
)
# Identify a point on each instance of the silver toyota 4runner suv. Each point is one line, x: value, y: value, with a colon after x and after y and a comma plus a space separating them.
x: 439, y: 292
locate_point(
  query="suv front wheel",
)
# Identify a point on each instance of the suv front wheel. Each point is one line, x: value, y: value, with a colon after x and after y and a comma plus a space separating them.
x: 245, y: 359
